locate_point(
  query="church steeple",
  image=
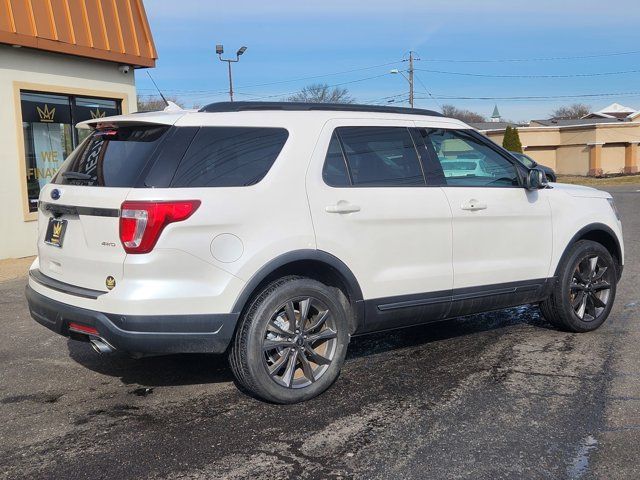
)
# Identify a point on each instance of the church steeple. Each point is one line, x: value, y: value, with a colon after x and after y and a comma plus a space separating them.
x: 495, y: 116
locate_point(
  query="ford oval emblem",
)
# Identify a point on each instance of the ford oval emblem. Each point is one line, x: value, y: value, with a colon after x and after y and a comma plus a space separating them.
x: 55, y: 194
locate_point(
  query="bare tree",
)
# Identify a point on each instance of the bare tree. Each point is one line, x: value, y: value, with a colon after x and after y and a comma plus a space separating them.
x: 154, y: 103
x: 322, y: 93
x: 466, y: 116
x: 573, y: 111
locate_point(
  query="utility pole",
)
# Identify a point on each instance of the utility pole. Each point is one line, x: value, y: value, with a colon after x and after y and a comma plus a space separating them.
x: 410, y: 78
x: 219, y: 52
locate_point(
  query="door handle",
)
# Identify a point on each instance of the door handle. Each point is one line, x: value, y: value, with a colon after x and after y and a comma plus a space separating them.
x: 342, y: 207
x: 473, y: 205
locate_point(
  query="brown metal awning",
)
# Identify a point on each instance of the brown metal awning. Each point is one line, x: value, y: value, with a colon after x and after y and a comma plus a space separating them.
x: 113, y: 30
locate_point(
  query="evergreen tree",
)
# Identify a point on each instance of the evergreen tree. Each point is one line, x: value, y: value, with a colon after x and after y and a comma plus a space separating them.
x: 505, y: 139
x: 511, y: 140
x: 517, y: 144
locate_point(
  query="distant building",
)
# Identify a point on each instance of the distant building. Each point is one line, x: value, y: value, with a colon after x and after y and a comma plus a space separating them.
x: 614, y: 111
x: 495, y: 122
x: 61, y: 62
x: 495, y: 116
x: 602, y: 142
x: 495, y: 125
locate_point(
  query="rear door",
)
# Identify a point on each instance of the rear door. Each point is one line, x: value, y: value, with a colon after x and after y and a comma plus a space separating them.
x: 78, y: 223
x: 371, y: 208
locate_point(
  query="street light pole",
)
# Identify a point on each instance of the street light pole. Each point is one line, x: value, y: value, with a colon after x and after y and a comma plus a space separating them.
x: 230, y: 82
x: 219, y: 52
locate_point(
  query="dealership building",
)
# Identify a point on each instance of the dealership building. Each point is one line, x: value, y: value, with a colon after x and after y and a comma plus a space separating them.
x: 61, y: 62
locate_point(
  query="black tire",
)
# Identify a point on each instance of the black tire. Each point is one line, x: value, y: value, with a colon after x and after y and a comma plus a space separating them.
x: 271, y: 361
x: 585, y: 289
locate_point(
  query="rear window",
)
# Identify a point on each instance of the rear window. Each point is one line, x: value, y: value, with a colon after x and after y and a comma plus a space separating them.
x: 229, y: 156
x: 111, y: 157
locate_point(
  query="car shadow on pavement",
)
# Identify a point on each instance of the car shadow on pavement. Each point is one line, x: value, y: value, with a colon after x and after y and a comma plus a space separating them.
x: 168, y: 370
x: 192, y: 369
x: 424, y: 334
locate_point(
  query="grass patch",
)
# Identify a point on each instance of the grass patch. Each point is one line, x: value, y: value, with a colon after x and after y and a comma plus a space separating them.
x: 594, y: 181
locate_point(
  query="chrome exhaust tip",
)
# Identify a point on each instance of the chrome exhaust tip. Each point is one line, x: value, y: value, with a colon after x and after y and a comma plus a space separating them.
x: 101, y: 346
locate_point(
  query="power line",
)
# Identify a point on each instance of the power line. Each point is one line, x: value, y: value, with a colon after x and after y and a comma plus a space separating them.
x: 285, y: 94
x: 491, y: 75
x: 444, y: 60
x: 279, y: 82
x: 330, y: 86
x: 320, y: 76
x: 403, y: 94
x: 535, y: 97
x: 399, y: 97
x: 538, y: 59
x: 428, y: 92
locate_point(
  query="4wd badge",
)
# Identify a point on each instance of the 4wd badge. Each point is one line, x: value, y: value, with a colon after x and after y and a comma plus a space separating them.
x: 110, y: 282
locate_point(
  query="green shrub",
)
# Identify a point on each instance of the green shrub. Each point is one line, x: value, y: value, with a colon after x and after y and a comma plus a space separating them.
x: 512, y: 140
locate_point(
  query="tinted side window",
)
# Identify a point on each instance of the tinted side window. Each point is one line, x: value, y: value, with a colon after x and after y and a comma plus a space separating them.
x: 335, y: 172
x: 229, y: 156
x: 381, y: 156
x: 468, y: 162
x: 168, y: 156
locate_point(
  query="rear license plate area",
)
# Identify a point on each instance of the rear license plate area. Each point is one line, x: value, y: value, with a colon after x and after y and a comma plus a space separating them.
x: 55, y: 232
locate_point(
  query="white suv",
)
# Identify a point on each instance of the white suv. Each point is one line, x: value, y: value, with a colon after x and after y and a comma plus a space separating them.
x: 276, y: 231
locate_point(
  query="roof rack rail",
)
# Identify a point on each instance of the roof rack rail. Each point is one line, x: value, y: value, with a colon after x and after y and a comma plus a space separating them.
x: 303, y: 106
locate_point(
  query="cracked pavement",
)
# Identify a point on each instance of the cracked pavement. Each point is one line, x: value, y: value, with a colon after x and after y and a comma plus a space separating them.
x: 497, y: 395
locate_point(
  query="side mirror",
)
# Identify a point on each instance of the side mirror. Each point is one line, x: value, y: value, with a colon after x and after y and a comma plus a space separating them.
x: 536, y: 179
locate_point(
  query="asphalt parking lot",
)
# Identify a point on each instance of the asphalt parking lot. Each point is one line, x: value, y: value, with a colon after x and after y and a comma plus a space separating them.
x: 498, y: 395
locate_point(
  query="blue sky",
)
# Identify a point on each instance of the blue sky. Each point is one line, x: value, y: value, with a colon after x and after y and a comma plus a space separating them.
x: 289, y: 41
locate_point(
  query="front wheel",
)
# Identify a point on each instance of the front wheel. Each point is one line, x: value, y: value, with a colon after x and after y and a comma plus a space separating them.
x: 291, y: 342
x: 585, y: 289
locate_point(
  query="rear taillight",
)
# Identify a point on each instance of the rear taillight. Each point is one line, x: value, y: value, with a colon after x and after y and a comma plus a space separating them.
x: 141, y: 223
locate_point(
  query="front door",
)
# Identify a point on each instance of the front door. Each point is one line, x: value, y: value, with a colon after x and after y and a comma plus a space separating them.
x: 501, y: 231
x: 372, y: 209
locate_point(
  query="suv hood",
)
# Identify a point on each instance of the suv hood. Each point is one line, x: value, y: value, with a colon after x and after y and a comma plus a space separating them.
x: 581, y: 191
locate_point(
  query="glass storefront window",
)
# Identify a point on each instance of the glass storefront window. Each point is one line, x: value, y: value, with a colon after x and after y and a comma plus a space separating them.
x: 49, y: 135
x: 46, y: 124
x: 90, y: 108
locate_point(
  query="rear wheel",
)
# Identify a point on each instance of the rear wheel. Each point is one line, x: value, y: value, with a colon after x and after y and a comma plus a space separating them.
x: 291, y: 342
x: 585, y: 289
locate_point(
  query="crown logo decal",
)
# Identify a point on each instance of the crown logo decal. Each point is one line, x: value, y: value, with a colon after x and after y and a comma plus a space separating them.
x: 47, y: 114
x: 57, y: 229
x: 97, y: 113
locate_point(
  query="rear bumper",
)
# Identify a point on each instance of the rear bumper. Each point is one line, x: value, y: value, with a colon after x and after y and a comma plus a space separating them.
x: 138, y: 334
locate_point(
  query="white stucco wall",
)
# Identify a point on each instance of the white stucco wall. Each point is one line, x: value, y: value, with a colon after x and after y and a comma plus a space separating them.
x: 57, y: 72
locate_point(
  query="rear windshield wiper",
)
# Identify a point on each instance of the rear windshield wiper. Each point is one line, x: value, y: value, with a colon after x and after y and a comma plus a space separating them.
x: 77, y: 176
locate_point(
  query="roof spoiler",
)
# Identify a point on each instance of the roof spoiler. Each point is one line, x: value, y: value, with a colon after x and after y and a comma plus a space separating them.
x: 167, y: 117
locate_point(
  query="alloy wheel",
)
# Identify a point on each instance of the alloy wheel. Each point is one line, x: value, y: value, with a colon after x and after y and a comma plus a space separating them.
x: 590, y: 288
x: 300, y: 342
